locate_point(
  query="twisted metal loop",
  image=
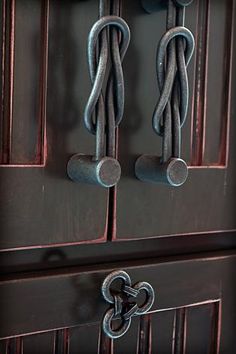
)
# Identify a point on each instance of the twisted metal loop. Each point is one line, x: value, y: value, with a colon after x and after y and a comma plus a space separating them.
x: 107, y: 325
x: 171, y: 80
x: 106, y: 113
x: 123, y: 309
x: 173, y: 56
x: 97, y: 72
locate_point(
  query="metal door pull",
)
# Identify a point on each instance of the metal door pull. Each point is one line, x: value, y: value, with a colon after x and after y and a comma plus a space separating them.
x: 174, y: 53
x: 110, y: 35
x: 121, y: 307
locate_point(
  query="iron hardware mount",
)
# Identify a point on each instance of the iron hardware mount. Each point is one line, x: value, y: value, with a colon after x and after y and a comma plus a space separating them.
x: 121, y: 308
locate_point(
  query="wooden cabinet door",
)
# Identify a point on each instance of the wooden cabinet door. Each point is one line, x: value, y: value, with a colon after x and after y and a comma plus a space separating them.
x: 206, y: 202
x: 193, y: 312
x: 44, y: 85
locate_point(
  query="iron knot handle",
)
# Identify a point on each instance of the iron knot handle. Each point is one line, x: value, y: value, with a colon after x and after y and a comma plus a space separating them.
x: 120, y: 306
x: 108, y: 40
x: 174, y: 52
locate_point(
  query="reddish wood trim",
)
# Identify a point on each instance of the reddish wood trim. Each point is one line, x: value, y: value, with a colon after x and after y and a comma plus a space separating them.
x: 179, y: 331
x: 8, y: 50
x: 215, y: 328
x: 3, y: 49
x: 7, y: 89
x: 61, y: 341
x: 199, y: 97
x: 11, y: 74
x: 41, y: 153
x: 100, y: 239
x: 14, y: 345
x: 105, y: 344
x: 206, y: 232
x: 227, y: 91
x: 144, y: 343
x: 200, y: 83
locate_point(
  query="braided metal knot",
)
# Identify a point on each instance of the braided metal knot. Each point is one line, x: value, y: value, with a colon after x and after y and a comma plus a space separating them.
x: 173, y: 79
x: 174, y: 52
x: 122, y: 308
x: 107, y: 44
x: 97, y: 68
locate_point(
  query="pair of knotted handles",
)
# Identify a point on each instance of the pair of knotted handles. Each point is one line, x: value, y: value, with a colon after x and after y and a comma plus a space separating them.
x: 108, y: 42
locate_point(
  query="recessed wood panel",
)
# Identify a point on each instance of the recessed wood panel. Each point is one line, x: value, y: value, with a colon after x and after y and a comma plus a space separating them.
x: 44, y: 54
x: 203, y: 328
x: 158, y: 332
x: 39, y: 343
x: 77, y: 299
x: 193, y: 298
x: 24, y: 80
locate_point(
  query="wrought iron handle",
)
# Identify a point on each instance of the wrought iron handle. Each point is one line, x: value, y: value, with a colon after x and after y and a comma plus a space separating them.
x: 121, y: 308
x: 103, y: 114
x: 174, y: 53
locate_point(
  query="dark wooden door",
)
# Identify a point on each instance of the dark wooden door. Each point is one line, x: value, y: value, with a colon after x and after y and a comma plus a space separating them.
x: 59, y: 239
x: 44, y: 87
x: 206, y: 202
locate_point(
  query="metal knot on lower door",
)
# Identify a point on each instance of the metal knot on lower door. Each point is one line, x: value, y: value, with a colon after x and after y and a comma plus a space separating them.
x: 124, y: 302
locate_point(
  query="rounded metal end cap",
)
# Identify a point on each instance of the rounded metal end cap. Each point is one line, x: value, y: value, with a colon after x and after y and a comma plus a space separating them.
x: 108, y: 172
x: 183, y: 3
x: 104, y: 172
x: 176, y: 172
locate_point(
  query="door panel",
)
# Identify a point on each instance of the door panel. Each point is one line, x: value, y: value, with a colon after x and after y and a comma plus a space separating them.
x: 205, y: 203
x: 43, y: 55
x: 45, y: 308
x: 152, y: 333
x: 193, y: 297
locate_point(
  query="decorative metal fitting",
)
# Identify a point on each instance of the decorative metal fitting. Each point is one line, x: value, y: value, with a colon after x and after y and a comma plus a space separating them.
x: 150, y: 169
x: 108, y: 39
x: 122, y: 309
x: 85, y: 168
x: 174, y: 53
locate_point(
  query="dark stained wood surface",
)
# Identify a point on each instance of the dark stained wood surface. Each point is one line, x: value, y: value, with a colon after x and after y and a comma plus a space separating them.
x: 50, y: 299
x: 92, y: 254
x: 31, y: 191
x: 40, y: 206
x: 206, y: 202
x: 199, y: 289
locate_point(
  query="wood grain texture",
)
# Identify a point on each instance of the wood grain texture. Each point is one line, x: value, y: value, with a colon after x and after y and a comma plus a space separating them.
x: 189, y: 332
x: 41, y: 206
x: 50, y: 298
x: 76, y: 296
x: 7, y: 76
x: 206, y: 201
x: 24, y: 82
